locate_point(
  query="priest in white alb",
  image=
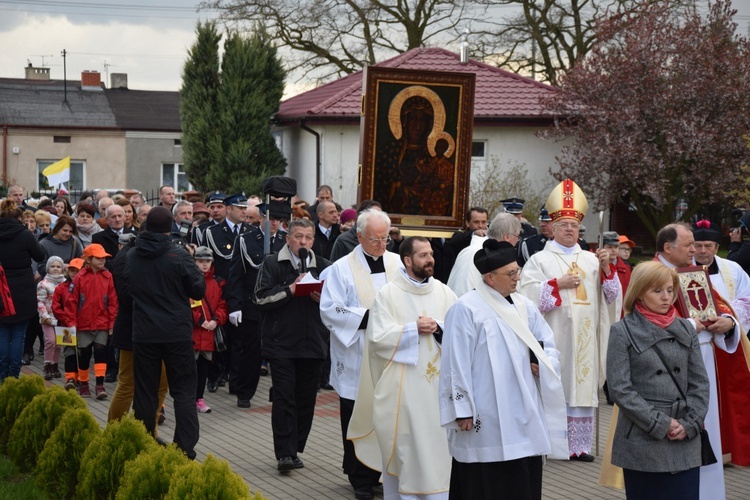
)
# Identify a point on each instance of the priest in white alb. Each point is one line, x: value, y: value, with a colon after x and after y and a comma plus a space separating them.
x: 501, y: 396
x: 571, y: 288
x: 351, y: 284
x: 396, y: 415
x: 464, y: 276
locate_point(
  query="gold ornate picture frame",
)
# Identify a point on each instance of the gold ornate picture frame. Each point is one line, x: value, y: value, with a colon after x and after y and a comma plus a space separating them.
x: 415, y: 147
x: 695, y: 298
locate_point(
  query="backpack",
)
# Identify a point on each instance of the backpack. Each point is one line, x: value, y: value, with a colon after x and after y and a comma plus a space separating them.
x: 6, y: 301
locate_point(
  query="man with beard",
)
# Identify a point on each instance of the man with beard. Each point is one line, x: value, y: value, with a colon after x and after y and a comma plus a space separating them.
x: 351, y: 284
x: 400, y: 370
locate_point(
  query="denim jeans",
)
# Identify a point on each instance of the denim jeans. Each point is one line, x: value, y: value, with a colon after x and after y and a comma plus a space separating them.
x: 12, y: 337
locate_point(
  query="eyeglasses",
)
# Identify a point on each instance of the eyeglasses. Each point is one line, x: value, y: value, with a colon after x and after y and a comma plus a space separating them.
x: 385, y: 239
x: 568, y: 225
x: 511, y: 274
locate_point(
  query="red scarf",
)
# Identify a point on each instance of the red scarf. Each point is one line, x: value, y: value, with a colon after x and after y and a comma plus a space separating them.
x: 660, y: 320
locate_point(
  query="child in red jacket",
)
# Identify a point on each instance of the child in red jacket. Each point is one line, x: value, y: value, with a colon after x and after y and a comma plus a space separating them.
x: 58, y: 308
x: 91, y: 308
x: 208, y: 314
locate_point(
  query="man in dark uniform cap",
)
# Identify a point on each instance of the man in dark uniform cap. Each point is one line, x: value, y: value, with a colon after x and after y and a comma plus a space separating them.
x: 217, y: 212
x: 515, y: 206
x: 221, y: 239
x: 244, y: 319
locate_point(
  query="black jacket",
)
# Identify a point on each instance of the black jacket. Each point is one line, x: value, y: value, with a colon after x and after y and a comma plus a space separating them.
x: 322, y: 245
x: 161, y: 278
x: 122, y: 334
x: 17, y: 248
x: 243, y: 272
x: 110, y: 241
x: 290, y: 326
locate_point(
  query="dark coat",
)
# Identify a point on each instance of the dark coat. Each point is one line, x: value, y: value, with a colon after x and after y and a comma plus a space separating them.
x: 166, y: 278
x: 243, y: 272
x: 18, y: 248
x: 110, y: 241
x: 220, y: 239
x: 290, y: 326
x: 648, y: 398
x: 122, y: 335
x: 322, y: 245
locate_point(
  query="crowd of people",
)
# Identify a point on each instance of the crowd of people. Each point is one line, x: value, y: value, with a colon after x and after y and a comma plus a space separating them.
x: 460, y: 363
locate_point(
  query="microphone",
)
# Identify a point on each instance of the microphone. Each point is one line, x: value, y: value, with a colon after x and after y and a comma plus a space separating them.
x: 302, y: 254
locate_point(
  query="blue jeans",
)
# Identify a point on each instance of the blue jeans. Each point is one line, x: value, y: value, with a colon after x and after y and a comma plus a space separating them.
x: 12, y: 336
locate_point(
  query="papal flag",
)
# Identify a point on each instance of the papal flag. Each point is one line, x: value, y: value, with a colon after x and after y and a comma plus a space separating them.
x: 58, y: 172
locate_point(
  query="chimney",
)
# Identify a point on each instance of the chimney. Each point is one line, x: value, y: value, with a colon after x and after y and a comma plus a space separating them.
x: 118, y: 81
x: 33, y: 73
x: 91, y: 80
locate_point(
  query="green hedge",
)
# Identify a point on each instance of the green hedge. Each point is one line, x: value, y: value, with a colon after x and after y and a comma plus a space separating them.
x: 36, y: 423
x: 104, y: 460
x: 15, y: 395
x: 149, y: 474
x: 59, y: 462
x: 210, y: 480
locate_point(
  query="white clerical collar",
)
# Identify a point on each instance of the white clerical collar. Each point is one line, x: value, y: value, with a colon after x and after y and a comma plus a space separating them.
x: 371, y: 256
x: 414, y: 281
x: 567, y: 250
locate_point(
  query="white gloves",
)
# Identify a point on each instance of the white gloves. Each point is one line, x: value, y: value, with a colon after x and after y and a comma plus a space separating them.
x: 235, y: 318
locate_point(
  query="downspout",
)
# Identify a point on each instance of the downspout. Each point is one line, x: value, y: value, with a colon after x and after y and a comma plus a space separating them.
x: 5, y: 154
x: 317, y: 151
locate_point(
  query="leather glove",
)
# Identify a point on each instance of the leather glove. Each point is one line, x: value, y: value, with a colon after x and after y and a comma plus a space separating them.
x: 235, y: 318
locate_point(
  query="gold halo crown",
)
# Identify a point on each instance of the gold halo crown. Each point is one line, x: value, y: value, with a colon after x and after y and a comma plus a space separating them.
x: 567, y: 201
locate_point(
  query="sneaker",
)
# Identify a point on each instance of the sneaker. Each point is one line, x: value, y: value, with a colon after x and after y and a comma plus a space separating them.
x: 70, y: 384
x: 202, y: 407
x: 101, y: 392
x: 83, y: 390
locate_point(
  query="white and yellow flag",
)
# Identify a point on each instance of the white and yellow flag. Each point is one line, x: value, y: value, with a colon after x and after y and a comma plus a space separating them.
x: 58, y: 172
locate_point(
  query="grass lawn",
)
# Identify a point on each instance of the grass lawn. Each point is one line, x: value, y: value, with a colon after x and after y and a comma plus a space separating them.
x: 14, y: 485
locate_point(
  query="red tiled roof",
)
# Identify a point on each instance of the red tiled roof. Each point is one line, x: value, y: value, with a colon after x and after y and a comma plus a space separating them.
x: 499, y: 93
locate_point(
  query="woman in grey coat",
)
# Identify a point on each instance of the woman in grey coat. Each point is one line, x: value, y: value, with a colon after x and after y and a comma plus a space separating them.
x: 657, y: 438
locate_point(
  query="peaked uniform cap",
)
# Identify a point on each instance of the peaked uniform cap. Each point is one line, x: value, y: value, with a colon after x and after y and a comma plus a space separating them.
x: 567, y: 201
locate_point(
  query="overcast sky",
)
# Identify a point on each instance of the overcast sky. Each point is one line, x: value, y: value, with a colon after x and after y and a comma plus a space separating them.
x: 146, y: 40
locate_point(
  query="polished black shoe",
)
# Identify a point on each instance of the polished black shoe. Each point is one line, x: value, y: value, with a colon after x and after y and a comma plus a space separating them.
x: 364, y: 493
x: 212, y: 386
x: 583, y: 457
x: 298, y: 463
x: 286, y: 464
x: 327, y: 387
x: 243, y: 403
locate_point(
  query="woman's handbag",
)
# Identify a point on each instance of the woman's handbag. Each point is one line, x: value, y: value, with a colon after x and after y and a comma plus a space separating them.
x: 7, y: 307
x: 707, y: 452
x: 220, y: 339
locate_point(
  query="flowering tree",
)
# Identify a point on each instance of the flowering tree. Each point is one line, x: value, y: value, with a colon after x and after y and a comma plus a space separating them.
x: 659, y: 112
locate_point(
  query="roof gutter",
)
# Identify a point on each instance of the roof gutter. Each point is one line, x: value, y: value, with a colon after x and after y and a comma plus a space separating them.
x: 317, y: 151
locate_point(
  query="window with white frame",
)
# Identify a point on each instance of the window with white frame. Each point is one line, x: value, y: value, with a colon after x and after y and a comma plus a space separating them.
x: 479, y: 154
x: 173, y: 174
x: 77, y: 175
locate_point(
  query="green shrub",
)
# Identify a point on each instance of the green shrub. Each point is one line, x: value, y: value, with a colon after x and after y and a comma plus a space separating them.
x: 36, y: 423
x: 104, y: 460
x: 57, y: 468
x: 148, y: 475
x: 213, y: 479
x: 15, y: 395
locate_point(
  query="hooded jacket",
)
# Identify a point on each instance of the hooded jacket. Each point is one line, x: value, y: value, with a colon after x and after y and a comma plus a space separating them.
x: 17, y: 249
x: 161, y: 278
x: 91, y: 303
